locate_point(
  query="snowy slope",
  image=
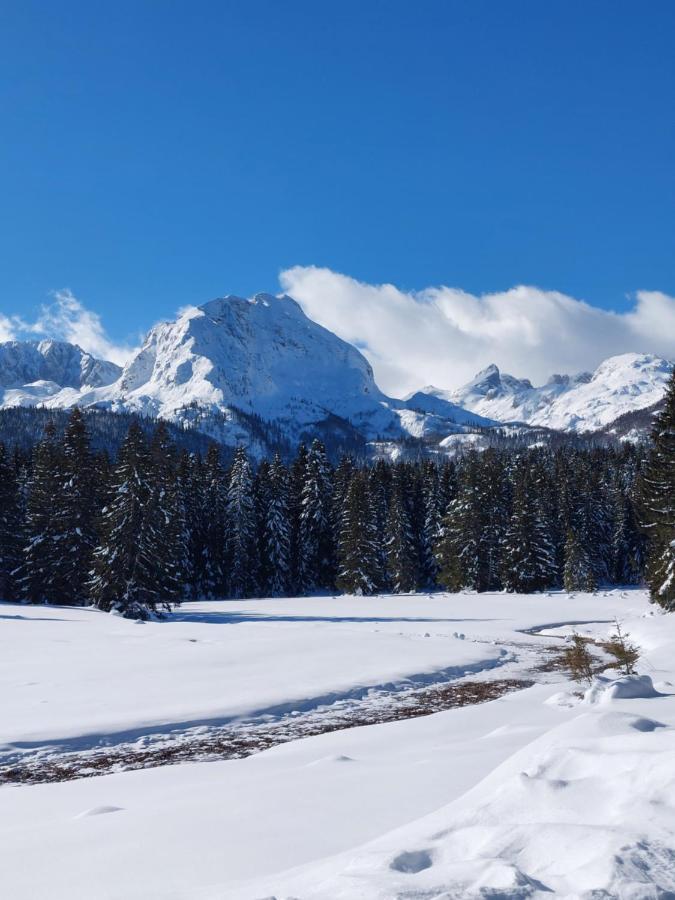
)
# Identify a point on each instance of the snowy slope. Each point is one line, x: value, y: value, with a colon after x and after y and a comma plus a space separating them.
x: 583, y: 402
x: 534, y: 795
x: 260, y: 355
x: 584, y: 808
x: 34, y: 371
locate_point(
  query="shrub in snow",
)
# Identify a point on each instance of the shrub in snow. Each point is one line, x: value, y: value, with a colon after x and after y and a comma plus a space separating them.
x: 578, y: 659
x: 625, y: 653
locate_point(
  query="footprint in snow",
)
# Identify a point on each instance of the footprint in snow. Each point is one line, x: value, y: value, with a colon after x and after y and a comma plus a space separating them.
x: 331, y: 759
x: 412, y: 861
x: 642, y: 724
x: 99, y: 811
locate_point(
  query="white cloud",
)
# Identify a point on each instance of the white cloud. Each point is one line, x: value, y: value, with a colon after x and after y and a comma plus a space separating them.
x: 443, y: 336
x: 67, y: 319
x: 10, y: 326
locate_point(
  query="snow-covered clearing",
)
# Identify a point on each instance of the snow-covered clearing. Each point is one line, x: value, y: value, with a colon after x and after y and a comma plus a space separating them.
x: 531, y: 795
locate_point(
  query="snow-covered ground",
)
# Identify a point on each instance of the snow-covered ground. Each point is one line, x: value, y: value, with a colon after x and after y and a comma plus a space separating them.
x: 533, y: 795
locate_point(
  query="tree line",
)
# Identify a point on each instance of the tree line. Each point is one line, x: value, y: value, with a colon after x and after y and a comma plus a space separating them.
x: 155, y: 525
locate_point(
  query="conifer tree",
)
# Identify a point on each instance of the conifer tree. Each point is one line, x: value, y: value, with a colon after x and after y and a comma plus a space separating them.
x: 493, y: 498
x: 447, y: 489
x: 458, y: 547
x: 240, y: 535
x: 578, y: 573
x: 213, y: 526
x: 277, y: 537
x: 10, y: 528
x: 358, y: 570
x: 628, y: 542
x: 296, y: 482
x: 657, y: 504
x: 342, y: 477
x: 430, y: 524
x: 528, y: 562
x: 73, y: 514
x: 38, y: 572
x: 400, y: 544
x: 379, y: 489
x: 165, y: 516
x: 189, y: 484
x: 135, y: 567
x: 315, y: 562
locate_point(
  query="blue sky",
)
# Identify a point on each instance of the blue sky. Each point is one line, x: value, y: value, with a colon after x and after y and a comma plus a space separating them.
x: 156, y: 154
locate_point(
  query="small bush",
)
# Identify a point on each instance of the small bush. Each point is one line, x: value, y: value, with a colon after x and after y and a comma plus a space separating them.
x: 578, y: 659
x: 625, y: 653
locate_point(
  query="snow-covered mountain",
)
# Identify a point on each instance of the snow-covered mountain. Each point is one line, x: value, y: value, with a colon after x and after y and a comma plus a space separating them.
x: 262, y: 356
x: 222, y: 367
x: 583, y: 402
x: 24, y: 362
x: 33, y: 371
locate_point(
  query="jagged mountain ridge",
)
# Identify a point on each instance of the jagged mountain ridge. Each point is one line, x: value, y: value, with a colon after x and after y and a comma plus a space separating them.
x: 588, y: 401
x: 58, y: 362
x: 234, y: 368
x: 262, y: 357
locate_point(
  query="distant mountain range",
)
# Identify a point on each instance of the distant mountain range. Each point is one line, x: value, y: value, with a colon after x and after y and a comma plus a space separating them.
x: 255, y: 371
x: 588, y: 401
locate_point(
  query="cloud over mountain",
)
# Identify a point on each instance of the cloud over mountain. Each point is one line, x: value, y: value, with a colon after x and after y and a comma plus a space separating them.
x: 443, y: 336
x: 65, y: 318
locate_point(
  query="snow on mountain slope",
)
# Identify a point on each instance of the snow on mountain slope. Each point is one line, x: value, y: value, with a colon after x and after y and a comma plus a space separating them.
x: 260, y: 355
x: 583, y: 402
x: 263, y: 356
x: 45, y: 366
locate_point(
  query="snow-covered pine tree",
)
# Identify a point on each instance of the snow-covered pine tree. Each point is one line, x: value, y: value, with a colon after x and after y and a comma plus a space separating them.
x: 342, y: 477
x: 166, y: 518
x: 450, y: 565
x: 315, y: 550
x: 379, y: 489
x: 134, y: 564
x: 447, y: 488
x: 528, y: 561
x: 657, y: 504
x: 431, y: 523
x: 577, y: 491
x: 493, y: 498
x: 190, y: 485
x: 261, y: 499
x: 296, y: 482
x: 37, y: 573
x: 240, y: 534
x: 399, y: 543
x: 113, y: 583
x: 600, y: 514
x: 10, y: 527
x: 578, y: 572
x: 628, y: 543
x: 73, y: 514
x: 277, y: 537
x: 213, y: 526
x: 458, y: 547
x: 358, y: 569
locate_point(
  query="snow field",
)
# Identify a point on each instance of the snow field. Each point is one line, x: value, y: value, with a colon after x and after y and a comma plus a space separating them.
x: 69, y: 672
x: 520, y: 797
